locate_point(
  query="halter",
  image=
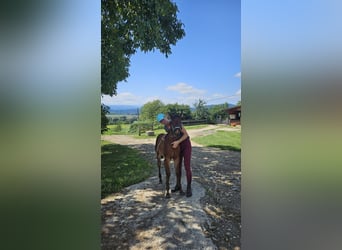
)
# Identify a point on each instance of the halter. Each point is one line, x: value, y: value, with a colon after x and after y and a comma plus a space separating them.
x: 176, y: 129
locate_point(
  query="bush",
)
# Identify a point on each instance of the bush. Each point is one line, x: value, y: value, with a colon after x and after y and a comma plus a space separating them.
x: 117, y: 128
x: 144, y: 126
x: 104, y: 119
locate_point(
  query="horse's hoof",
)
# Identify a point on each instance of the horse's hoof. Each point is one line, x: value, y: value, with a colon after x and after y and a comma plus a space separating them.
x: 167, y: 196
x: 181, y: 192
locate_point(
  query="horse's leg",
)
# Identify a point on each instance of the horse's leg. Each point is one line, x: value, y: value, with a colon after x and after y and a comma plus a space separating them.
x: 158, y: 153
x: 178, y: 168
x: 178, y: 163
x: 167, y: 171
x: 159, y: 166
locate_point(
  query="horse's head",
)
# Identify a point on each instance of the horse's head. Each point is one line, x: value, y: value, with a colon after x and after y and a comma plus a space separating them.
x: 176, y: 126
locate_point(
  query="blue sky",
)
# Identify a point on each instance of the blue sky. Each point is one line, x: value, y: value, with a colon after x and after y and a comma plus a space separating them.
x: 205, y: 64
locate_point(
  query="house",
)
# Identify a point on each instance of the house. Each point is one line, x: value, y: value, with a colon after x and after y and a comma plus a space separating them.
x: 234, y: 115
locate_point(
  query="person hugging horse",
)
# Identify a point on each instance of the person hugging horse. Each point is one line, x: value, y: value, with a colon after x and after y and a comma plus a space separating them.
x: 185, y: 150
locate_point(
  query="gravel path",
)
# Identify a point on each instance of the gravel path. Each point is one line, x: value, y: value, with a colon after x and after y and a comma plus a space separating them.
x: 140, y: 217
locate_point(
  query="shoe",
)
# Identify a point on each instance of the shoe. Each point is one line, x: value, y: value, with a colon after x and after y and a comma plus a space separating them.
x: 188, y: 192
x: 177, y: 188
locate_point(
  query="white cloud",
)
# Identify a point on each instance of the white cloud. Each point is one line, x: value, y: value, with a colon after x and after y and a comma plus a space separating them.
x: 125, y: 98
x: 238, y: 75
x: 152, y: 98
x: 220, y: 98
x: 190, y: 100
x: 184, y: 88
x: 184, y: 94
x: 216, y: 96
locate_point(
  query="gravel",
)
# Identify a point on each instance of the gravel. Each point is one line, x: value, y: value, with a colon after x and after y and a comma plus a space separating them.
x: 140, y: 217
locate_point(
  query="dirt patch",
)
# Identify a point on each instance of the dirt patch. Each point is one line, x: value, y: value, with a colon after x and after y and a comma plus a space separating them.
x: 140, y: 217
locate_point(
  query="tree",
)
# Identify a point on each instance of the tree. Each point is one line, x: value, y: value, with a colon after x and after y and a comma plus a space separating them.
x: 179, y: 109
x: 201, y: 111
x: 218, y: 112
x: 104, y: 119
x: 150, y: 110
x: 127, y: 25
x: 238, y: 103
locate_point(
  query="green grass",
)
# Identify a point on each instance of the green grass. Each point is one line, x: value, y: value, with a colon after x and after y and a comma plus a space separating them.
x: 189, y: 127
x: 117, y: 129
x: 121, y: 115
x: 226, y: 140
x: 121, y: 166
x: 162, y: 130
x: 124, y: 128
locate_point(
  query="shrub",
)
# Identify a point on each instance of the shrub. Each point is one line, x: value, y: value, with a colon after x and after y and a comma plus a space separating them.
x: 144, y: 126
x: 117, y: 128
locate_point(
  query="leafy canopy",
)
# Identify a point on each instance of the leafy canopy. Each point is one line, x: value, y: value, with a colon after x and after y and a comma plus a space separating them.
x: 127, y: 25
x: 182, y: 110
x: 201, y: 111
x: 150, y: 110
x: 104, y: 118
x: 218, y: 112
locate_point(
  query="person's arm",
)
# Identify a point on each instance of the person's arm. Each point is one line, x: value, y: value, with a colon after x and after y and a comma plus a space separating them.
x: 183, y: 138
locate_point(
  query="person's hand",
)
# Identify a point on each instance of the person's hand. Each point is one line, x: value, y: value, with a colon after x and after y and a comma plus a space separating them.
x: 175, y: 144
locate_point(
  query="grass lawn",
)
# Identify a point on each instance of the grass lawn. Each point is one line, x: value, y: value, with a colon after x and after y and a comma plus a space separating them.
x: 230, y: 140
x: 162, y: 130
x: 124, y: 128
x: 121, y: 166
x: 121, y: 129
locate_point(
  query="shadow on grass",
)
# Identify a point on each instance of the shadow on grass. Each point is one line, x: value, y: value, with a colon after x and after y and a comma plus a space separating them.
x: 121, y: 166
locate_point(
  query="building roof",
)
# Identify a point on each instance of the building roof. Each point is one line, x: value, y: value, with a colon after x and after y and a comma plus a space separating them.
x: 234, y: 109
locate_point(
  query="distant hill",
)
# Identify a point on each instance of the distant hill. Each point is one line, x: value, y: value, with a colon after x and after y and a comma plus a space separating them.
x: 133, y: 109
x: 123, y: 109
x: 229, y: 105
x: 212, y: 105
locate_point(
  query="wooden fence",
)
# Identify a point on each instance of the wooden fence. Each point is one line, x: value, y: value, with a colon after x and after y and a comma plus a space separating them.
x: 194, y: 122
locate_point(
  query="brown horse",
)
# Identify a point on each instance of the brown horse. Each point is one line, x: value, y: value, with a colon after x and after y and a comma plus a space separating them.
x: 165, y: 152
